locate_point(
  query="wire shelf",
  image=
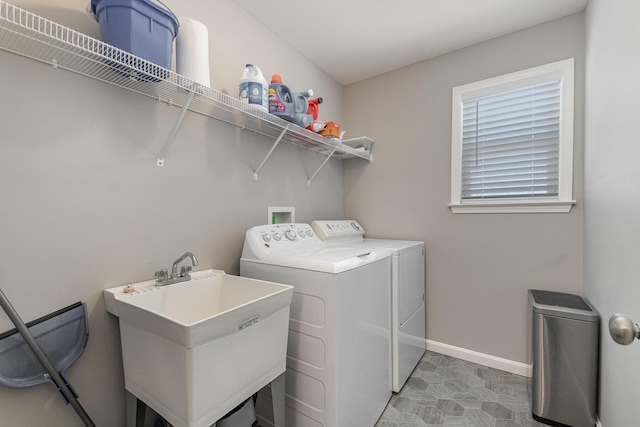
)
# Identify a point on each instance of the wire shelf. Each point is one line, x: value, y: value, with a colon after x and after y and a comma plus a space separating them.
x: 32, y: 36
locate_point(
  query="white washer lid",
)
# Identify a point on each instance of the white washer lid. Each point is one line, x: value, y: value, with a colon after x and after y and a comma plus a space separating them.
x: 329, y: 260
x: 393, y: 246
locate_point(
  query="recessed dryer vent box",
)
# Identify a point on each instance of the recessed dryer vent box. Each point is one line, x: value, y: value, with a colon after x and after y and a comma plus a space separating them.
x: 281, y: 215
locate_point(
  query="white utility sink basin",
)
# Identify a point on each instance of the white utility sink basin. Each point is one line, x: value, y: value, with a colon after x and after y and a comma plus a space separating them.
x: 195, y: 350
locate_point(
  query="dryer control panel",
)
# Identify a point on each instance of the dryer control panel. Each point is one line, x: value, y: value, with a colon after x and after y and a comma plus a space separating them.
x: 338, y: 230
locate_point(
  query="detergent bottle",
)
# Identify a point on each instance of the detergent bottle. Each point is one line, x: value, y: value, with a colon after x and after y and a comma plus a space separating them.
x: 253, y: 88
x: 301, y: 102
x: 314, y: 111
x: 280, y: 99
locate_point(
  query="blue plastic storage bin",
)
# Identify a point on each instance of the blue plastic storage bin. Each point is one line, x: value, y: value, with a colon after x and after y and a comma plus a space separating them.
x: 141, y: 27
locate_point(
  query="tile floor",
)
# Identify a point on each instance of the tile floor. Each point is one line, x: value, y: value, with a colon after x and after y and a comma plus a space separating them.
x: 445, y: 391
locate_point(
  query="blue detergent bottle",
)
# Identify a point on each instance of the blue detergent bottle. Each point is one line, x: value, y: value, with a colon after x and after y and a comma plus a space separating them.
x: 301, y: 103
x: 281, y: 99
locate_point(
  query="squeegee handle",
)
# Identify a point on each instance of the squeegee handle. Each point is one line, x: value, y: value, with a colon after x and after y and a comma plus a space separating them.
x: 54, y: 375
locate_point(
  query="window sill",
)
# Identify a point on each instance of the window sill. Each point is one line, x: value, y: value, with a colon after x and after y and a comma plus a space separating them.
x: 553, y: 206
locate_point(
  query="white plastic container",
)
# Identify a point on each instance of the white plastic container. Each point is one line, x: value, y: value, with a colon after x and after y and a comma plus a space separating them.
x: 254, y: 89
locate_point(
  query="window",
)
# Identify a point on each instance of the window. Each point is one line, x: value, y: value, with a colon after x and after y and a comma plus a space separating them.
x: 512, y: 142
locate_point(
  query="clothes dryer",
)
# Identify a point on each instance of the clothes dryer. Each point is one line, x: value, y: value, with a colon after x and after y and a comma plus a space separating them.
x: 339, y: 350
x: 408, y: 309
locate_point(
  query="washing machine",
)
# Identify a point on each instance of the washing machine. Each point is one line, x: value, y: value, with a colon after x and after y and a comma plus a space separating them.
x: 339, y: 349
x: 408, y: 323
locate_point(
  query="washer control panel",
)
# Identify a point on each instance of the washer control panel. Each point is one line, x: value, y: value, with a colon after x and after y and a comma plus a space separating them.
x: 282, y: 237
x: 338, y: 230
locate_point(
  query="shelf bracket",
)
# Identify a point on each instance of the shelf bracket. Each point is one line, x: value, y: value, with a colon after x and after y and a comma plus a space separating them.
x: 325, y: 162
x: 174, y: 130
x: 273, y: 147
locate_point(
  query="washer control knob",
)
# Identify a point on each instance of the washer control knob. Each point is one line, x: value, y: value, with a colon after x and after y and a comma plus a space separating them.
x: 277, y: 236
x: 310, y: 233
x: 266, y: 237
x: 302, y: 234
x: 290, y: 234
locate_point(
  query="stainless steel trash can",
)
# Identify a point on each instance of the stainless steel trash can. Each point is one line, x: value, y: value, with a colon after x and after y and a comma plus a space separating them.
x: 565, y: 359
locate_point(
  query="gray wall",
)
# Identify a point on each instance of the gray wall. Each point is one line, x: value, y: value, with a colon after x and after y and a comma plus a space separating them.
x: 479, y: 266
x: 84, y: 206
x: 612, y: 197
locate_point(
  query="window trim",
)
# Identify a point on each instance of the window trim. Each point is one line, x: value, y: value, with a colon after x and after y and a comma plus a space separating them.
x: 563, y: 70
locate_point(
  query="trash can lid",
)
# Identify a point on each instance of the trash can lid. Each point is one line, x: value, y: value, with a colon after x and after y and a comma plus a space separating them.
x: 560, y: 304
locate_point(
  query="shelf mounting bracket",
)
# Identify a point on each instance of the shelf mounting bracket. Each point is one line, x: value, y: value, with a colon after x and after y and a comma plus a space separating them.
x: 273, y: 147
x: 325, y: 162
x: 174, y: 130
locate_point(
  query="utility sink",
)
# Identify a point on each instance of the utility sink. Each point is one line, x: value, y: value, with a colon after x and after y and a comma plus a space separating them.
x: 195, y: 350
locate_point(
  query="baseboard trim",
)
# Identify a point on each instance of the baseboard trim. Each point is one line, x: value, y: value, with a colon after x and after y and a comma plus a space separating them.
x: 481, y: 358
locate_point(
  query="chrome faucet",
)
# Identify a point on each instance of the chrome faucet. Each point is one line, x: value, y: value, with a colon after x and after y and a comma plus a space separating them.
x: 163, y: 278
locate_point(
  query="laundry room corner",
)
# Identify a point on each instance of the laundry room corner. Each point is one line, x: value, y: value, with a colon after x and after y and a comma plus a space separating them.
x: 478, y: 266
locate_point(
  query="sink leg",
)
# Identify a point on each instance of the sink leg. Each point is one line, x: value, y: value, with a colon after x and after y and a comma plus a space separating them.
x: 277, y: 397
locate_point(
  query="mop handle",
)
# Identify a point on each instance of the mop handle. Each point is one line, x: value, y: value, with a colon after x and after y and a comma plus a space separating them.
x: 55, y: 376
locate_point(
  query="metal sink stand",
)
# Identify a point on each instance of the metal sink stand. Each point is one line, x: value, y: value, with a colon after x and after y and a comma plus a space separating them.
x: 277, y: 401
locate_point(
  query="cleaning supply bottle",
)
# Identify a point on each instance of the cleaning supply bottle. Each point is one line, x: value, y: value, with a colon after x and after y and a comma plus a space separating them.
x: 301, y: 103
x: 253, y: 88
x: 280, y: 99
x: 314, y: 111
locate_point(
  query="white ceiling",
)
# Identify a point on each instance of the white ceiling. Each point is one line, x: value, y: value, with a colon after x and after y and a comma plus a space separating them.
x: 352, y: 40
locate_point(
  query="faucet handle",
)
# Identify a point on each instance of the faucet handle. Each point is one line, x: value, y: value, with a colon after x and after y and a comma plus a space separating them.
x: 184, y: 270
x: 162, y: 275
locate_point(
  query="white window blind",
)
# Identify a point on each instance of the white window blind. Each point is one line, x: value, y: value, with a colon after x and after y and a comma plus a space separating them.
x: 510, y: 143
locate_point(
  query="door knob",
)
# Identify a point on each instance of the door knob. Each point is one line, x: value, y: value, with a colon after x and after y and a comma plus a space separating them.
x: 623, y: 330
